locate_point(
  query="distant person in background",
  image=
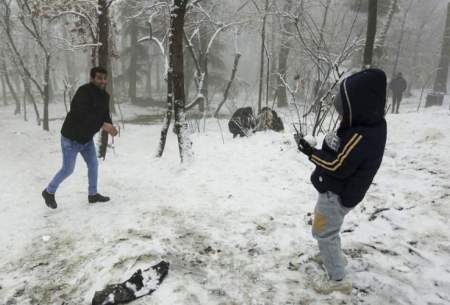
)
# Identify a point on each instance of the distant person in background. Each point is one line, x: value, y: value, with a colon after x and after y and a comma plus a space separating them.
x: 398, y: 86
x: 89, y: 112
x: 242, y: 122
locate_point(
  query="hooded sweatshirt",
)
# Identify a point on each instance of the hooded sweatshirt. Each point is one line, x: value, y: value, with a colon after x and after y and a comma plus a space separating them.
x: 348, y: 168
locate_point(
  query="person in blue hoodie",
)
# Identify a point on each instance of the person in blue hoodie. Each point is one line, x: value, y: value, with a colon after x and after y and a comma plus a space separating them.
x: 345, y: 168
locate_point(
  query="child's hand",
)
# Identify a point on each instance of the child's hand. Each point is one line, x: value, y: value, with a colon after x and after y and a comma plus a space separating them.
x: 303, y: 145
x: 311, y: 140
x: 297, y: 137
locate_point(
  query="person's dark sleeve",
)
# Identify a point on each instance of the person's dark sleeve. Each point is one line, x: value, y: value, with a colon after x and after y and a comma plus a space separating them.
x: 345, y: 161
x: 79, y: 107
x: 107, y: 118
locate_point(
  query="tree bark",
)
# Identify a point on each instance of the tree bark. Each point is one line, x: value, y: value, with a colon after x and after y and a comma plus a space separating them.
x: 402, y: 33
x: 261, y: 63
x: 149, y: 78
x: 25, y: 117
x: 283, y: 55
x: 177, y: 65
x: 379, y: 48
x: 273, y: 53
x: 230, y: 82
x: 132, y: 69
x: 27, y: 86
x: 440, y: 83
x: 371, y: 32
x: 158, y: 74
x: 167, y: 117
x: 5, y: 99
x: 104, y: 60
x: 45, y: 124
x: 11, y: 87
x: 175, y: 86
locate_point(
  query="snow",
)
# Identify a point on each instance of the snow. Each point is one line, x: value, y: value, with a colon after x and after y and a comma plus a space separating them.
x: 234, y: 223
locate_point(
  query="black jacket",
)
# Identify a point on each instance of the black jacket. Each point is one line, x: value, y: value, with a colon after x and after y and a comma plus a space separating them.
x: 398, y: 85
x: 349, y: 171
x: 89, y: 109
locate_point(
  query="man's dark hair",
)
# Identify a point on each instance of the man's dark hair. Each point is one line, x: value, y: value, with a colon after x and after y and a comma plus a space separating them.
x: 96, y: 70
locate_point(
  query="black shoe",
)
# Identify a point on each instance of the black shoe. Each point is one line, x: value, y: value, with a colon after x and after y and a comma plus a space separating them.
x: 49, y: 199
x: 97, y: 198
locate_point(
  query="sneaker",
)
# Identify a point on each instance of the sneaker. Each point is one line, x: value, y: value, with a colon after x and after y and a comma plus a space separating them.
x: 97, y: 198
x: 49, y: 199
x: 318, y: 259
x: 324, y: 285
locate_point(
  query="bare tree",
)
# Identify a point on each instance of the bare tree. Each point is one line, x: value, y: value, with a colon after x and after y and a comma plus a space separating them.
x: 400, y: 40
x: 283, y: 55
x: 381, y: 39
x: 175, y: 78
x: 7, y: 79
x: 371, y: 32
x: 261, y: 63
x: 440, y: 84
x: 104, y: 60
x: 5, y: 99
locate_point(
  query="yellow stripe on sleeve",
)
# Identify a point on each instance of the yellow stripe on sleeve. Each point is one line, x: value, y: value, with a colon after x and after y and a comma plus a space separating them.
x: 344, y: 151
x: 341, y: 158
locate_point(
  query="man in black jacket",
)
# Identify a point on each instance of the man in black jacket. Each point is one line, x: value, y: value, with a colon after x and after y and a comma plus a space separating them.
x: 398, y: 85
x: 345, y: 168
x: 89, y: 112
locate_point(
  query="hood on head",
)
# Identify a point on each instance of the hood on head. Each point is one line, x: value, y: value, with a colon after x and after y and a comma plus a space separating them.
x: 363, y: 96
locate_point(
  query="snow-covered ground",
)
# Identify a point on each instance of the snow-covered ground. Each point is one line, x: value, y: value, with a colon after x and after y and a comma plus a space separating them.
x: 234, y: 224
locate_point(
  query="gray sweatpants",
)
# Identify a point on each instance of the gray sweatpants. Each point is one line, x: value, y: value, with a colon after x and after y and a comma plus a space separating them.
x: 328, y: 218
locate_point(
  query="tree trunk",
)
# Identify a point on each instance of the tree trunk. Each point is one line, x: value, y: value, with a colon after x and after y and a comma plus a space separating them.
x: 158, y: 74
x: 11, y: 87
x: 205, y: 87
x: 45, y: 124
x: 371, y: 32
x: 261, y: 63
x: 230, y: 82
x: 176, y: 63
x: 149, y: 79
x: 15, y: 83
x: 110, y: 88
x: 167, y: 117
x: 273, y: 47
x: 175, y: 87
x: 379, y: 48
x: 283, y: 55
x: 5, y: 98
x: 440, y: 83
x: 402, y: 33
x: 104, y: 61
x: 282, y: 70
x: 203, y: 59
x: 25, y: 117
x: 132, y: 69
x: 27, y: 85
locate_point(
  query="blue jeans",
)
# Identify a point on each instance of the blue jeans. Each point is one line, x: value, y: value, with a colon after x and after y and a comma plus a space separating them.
x: 328, y: 218
x: 70, y: 150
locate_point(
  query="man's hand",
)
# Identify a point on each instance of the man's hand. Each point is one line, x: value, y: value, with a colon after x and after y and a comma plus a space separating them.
x: 109, y: 128
x: 303, y: 145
